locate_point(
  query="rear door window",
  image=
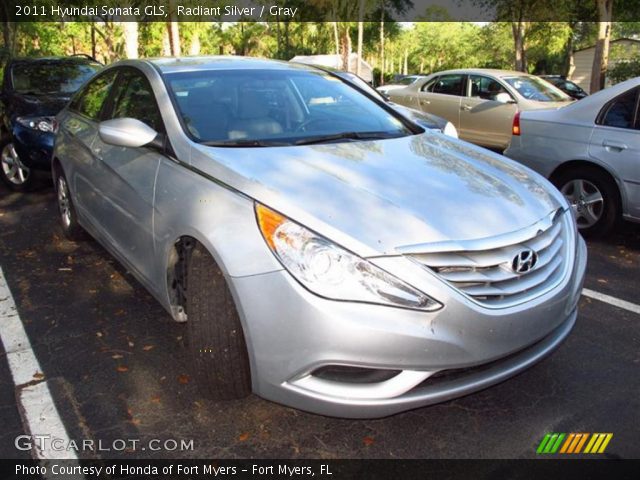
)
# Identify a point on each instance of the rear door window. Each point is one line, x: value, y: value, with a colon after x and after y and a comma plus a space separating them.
x: 621, y: 112
x: 449, y: 85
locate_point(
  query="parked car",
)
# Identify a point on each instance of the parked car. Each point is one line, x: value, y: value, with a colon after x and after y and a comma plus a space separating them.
x: 425, y: 120
x: 401, y: 83
x: 34, y: 90
x: 567, y: 86
x: 480, y: 103
x: 325, y: 252
x: 591, y: 151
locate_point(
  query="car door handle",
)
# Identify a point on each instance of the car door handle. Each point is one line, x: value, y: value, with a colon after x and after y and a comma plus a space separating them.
x: 614, y: 146
x: 425, y: 102
x: 466, y: 108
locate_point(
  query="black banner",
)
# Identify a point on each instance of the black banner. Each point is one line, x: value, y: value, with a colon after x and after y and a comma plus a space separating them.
x: 312, y: 10
x: 583, y: 469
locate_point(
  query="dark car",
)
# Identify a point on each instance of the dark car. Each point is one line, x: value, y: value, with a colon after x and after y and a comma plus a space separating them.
x: 567, y: 86
x: 34, y: 90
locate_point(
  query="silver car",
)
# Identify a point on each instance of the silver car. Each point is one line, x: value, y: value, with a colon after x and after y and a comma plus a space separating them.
x: 481, y: 103
x: 591, y: 152
x: 325, y: 252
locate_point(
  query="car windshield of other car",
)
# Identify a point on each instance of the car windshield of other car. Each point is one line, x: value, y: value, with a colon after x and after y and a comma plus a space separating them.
x: 284, y: 107
x: 533, y: 88
x: 52, y: 77
x: 407, y: 80
x: 486, y: 88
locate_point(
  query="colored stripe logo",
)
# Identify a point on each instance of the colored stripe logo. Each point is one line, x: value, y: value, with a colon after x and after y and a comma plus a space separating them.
x: 574, y: 443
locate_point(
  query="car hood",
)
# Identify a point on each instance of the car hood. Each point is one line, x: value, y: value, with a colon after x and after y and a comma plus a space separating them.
x: 41, y: 105
x: 376, y: 196
x: 426, y: 120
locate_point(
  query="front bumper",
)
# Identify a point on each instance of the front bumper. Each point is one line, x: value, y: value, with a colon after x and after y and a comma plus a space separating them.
x: 462, y: 348
x: 34, y: 147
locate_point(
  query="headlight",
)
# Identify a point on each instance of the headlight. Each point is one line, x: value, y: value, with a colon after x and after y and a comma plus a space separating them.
x: 450, y: 130
x: 331, y: 271
x: 42, y: 124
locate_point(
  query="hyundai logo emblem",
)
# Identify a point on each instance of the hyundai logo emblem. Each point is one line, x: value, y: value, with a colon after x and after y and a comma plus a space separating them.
x: 524, y: 261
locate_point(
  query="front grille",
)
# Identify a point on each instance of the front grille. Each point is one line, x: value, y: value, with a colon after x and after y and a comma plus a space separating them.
x: 488, y: 276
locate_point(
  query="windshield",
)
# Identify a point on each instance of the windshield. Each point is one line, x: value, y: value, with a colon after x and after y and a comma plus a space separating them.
x: 284, y: 107
x: 43, y: 77
x: 533, y: 88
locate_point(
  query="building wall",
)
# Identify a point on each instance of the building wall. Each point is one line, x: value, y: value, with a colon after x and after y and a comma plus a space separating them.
x: 583, y: 60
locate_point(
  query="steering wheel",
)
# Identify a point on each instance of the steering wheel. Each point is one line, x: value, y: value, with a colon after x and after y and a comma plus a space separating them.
x: 311, y: 121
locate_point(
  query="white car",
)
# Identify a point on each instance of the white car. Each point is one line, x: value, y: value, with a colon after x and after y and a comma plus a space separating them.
x: 591, y: 151
x: 403, y: 82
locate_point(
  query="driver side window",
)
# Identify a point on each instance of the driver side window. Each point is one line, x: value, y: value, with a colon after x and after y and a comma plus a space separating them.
x: 135, y: 99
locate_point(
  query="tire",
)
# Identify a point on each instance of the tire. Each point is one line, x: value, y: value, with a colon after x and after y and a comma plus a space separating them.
x: 218, y: 350
x: 594, y: 198
x: 13, y: 173
x: 68, y: 217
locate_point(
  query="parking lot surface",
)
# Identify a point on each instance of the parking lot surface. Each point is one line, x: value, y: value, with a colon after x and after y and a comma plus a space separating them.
x: 116, y: 367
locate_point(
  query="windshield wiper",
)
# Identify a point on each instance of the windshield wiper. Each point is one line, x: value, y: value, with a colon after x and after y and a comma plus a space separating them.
x: 346, y: 135
x: 245, y: 143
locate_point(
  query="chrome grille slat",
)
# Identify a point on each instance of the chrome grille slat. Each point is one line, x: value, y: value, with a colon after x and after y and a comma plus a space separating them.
x: 487, y: 275
x: 518, y: 284
x: 498, y: 273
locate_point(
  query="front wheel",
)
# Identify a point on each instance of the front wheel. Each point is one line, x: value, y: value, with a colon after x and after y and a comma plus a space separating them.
x: 17, y: 176
x: 219, y: 356
x: 593, y: 198
x: 68, y: 217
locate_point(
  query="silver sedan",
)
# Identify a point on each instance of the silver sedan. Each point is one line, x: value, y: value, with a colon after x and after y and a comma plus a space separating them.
x: 591, y: 151
x: 481, y: 103
x: 325, y: 252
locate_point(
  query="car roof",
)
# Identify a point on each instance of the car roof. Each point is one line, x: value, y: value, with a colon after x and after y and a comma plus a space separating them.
x: 222, y: 62
x: 70, y: 59
x: 487, y: 71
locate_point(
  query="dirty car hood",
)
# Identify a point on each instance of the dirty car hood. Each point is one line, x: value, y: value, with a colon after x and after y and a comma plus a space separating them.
x: 377, y: 196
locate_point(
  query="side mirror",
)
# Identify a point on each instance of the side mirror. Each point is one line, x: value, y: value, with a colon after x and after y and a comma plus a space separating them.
x: 504, y: 98
x: 126, y: 132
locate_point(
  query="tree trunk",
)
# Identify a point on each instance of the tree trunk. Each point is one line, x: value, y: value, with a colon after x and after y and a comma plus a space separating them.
x: 568, y: 66
x: 174, y: 30
x: 130, y: 39
x: 517, y: 29
x: 336, y: 37
x: 360, y: 37
x: 382, y: 5
x: 601, y: 55
x: 93, y: 40
x: 345, y: 47
x: 194, y: 49
x: 405, y: 68
x: 166, y: 43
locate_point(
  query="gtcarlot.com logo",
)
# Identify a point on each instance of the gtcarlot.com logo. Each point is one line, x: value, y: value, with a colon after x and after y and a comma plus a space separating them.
x: 574, y: 443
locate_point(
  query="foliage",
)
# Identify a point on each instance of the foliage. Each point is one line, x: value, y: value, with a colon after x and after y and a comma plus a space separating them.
x: 624, y: 70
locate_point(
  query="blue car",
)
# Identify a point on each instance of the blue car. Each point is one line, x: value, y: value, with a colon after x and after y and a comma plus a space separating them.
x: 33, y: 92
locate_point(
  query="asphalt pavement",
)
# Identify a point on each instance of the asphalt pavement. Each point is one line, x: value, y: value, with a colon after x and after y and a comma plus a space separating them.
x: 116, y: 367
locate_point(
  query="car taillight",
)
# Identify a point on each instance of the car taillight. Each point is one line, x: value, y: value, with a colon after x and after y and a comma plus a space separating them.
x: 515, y: 130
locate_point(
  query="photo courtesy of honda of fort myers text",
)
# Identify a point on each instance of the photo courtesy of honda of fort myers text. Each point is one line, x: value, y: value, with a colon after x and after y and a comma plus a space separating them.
x: 324, y: 238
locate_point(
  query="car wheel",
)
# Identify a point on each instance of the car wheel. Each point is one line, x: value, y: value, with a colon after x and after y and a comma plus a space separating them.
x: 68, y: 217
x: 593, y: 198
x: 13, y: 172
x: 216, y: 339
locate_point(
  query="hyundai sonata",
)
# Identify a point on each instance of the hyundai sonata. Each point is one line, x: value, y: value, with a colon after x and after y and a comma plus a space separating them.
x: 325, y: 252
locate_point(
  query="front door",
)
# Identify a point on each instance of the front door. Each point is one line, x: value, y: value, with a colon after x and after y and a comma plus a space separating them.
x: 483, y: 119
x: 127, y: 176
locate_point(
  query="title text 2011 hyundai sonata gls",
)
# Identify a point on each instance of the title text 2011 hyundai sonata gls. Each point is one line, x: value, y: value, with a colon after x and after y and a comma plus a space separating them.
x: 325, y: 252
